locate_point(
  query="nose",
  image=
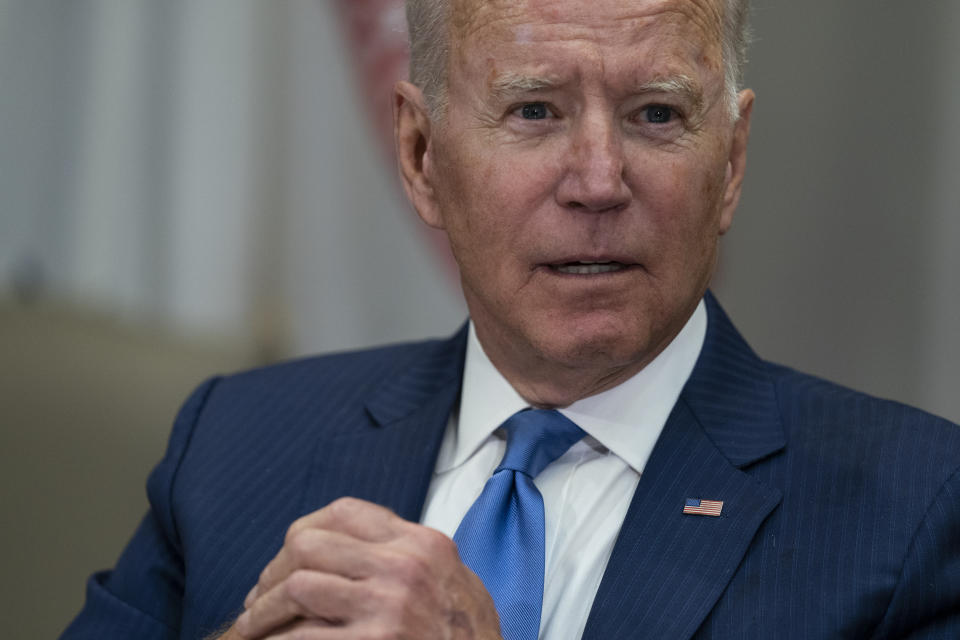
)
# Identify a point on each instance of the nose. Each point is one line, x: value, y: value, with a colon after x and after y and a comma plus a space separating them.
x: 593, y: 179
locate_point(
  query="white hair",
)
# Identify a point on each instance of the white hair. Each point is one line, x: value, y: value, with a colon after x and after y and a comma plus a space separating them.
x: 735, y: 41
x: 428, y: 23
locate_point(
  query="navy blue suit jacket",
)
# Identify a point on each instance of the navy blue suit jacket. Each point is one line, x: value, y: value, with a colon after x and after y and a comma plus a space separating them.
x: 841, y: 512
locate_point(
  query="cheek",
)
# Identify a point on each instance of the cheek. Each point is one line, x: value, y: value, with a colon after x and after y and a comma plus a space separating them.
x: 475, y: 199
x: 499, y: 196
x: 680, y: 204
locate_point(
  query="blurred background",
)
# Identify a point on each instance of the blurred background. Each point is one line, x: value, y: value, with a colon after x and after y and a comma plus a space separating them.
x: 196, y: 186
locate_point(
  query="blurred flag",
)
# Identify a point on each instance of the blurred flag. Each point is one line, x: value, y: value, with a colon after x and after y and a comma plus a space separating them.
x: 377, y: 33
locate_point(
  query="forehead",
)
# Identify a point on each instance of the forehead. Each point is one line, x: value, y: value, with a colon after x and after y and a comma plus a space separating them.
x: 617, y: 21
x: 613, y: 37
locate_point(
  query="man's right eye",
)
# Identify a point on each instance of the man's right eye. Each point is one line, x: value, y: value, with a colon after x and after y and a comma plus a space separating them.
x: 534, y: 111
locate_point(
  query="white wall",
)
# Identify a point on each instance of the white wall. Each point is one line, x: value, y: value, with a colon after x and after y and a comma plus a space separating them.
x: 209, y: 167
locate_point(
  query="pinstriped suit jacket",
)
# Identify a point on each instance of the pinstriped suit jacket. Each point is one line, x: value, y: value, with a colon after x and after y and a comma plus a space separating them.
x: 841, y: 515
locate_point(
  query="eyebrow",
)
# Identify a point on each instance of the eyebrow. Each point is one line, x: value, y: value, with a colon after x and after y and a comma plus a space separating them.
x: 510, y: 83
x: 680, y: 85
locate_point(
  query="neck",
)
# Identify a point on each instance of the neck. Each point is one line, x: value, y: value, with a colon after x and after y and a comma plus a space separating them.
x: 553, y: 392
x: 556, y: 383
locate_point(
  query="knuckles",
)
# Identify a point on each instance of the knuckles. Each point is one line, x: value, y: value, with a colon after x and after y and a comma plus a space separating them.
x: 301, y: 545
x: 296, y: 528
x: 402, y: 563
x: 344, y: 509
x: 437, y: 545
x: 265, y: 577
x: 412, y: 574
x: 340, y: 510
x: 299, y: 586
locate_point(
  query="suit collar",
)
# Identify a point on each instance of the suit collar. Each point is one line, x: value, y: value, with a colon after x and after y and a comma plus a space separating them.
x: 732, y: 395
x: 387, y: 455
x: 435, y: 370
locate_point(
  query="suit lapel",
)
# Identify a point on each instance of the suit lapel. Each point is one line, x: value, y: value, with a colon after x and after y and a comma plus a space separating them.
x: 668, y: 569
x: 388, y: 454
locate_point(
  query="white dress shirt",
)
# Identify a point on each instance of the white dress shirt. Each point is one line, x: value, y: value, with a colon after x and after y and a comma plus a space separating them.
x: 586, y: 492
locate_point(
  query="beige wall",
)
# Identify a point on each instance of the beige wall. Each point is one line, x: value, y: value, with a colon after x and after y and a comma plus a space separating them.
x: 86, y: 407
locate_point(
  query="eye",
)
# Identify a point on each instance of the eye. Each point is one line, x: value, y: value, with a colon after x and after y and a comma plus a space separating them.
x: 534, y: 111
x: 658, y: 114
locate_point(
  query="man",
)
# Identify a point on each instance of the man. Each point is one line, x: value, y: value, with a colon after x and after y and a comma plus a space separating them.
x: 584, y: 158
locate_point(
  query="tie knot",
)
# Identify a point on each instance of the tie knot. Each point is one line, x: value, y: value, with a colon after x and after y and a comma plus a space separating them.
x: 535, y: 438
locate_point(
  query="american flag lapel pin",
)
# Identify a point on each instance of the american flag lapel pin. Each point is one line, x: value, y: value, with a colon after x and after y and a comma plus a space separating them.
x: 699, y: 507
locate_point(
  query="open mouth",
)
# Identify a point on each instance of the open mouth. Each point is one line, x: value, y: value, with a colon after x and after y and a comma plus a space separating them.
x: 588, y: 267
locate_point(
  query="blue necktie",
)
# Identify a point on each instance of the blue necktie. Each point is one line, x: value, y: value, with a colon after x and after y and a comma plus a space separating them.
x: 501, y: 537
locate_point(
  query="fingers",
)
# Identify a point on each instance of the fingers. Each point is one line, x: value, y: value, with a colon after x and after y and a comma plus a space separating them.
x: 357, y: 518
x: 251, y: 596
x: 337, y: 539
x: 314, y: 630
x: 319, y: 550
x: 309, y: 630
x: 325, y: 599
x: 312, y: 575
x: 356, y: 568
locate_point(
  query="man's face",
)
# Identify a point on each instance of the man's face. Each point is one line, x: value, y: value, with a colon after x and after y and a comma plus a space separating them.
x: 584, y: 171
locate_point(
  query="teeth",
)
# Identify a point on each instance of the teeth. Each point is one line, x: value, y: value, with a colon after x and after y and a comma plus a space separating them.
x: 589, y: 268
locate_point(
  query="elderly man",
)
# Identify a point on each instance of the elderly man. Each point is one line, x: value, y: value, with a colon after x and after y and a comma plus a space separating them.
x: 598, y: 454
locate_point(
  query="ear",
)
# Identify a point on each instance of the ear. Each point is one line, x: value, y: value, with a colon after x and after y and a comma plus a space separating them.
x: 737, y: 161
x: 412, y: 129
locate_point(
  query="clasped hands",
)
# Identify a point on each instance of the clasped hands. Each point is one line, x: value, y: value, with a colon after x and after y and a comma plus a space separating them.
x: 356, y: 570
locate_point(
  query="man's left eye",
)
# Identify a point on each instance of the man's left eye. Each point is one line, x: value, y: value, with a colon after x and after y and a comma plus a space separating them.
x: 534, y: 111
x: 658, y: 114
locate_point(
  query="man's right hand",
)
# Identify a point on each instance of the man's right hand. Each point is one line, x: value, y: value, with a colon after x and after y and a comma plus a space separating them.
x: 356, y: 570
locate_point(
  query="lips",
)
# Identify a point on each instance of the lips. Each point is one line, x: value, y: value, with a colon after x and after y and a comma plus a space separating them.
x: 589, y: 266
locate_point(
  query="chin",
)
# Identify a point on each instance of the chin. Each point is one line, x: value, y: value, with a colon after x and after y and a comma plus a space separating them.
x: 594, y: 342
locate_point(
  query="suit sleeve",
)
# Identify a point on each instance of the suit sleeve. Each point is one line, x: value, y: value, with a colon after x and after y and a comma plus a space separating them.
x: 926, y: 602
x: 142, y: 596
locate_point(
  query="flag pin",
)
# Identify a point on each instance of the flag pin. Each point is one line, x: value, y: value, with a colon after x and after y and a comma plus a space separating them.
x: 699, y: 507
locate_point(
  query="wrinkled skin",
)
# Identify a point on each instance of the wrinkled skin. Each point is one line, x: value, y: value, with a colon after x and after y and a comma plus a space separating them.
x: 576, y: 130
x: 355, y: 570
x: 594, y: 179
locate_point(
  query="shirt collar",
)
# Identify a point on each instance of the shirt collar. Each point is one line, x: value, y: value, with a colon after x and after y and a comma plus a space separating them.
x: 626, y: 419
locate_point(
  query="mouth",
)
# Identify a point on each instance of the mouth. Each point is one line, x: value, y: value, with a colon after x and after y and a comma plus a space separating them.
x: 588, y: 267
